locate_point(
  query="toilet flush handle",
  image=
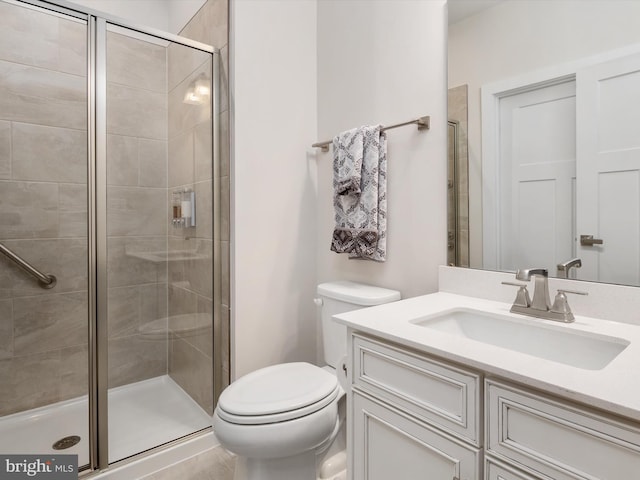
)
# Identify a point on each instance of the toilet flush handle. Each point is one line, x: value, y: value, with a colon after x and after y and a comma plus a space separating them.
x: 318, y: 302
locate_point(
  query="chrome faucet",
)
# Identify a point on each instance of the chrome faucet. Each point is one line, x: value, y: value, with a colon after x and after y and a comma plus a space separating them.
x: 565, y: 267
x: 541, y: 306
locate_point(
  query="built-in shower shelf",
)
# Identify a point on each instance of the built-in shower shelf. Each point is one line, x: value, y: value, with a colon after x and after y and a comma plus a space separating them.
x: 173, y: 256
x: 186, y: 325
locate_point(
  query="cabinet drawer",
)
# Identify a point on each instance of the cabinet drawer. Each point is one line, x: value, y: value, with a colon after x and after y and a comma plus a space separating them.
x: 495, y: 470
x: 557, y: 439
x: 389, y: 444
x: 445, y: 396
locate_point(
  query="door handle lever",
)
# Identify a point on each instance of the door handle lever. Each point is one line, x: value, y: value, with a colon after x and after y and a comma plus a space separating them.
x: 589, y: 241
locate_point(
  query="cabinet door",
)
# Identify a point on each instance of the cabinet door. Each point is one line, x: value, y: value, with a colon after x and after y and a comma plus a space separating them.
x: 388, y: 444
x: 558, y: 440
x: 496, y: 470
x: 442, y: 395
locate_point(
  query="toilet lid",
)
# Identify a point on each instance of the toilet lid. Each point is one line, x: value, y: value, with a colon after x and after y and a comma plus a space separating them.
x: 278, y: 389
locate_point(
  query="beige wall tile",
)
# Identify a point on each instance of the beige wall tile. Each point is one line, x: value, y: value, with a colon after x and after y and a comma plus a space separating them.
x: 29, y: 381
x: 5, y: 150
x: 126, y: 268
x: 49, y: 322
x: 136, y: 112
x: 53, y: 43
x: 6, y: 329
x: 133, y: 358
x: 136, y: 211
x: 153, y: 302
x: 152, y: 159
x: 204, y: 343
x: 43, y: 97
x: 184, y: 116
x: 136, y: 63
x: 65, y: 258
x: 181, y: 62
x: 28, y: 210
x: 74, y: 372
x: 124, y: 311
x: 204, y: 214
x: 41, y: 30
x: 48, y: 153
x: 193, y: 371
x: 182, y: 301
x: 202, y: 150
x: 198, y: 271
x: 210, y: 24
x: 72, y: 47
x: 176, y: 268
x: 122, y: 160
x: 181, y: 159
x: 216, y: 19
x: 72, y: 210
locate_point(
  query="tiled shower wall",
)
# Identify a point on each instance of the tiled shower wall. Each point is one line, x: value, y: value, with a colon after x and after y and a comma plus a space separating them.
x: 191, y: 248
x: 137, y: 211
x: 43, y: 122
x: 43, y: 214
x: 209, y: 26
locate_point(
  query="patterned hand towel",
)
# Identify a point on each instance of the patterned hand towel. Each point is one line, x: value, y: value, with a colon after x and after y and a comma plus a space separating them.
x: 361, y: 216
x: 348, y: 150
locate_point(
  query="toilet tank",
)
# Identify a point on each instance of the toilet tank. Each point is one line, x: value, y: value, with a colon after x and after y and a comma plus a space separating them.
x: 340, y: 297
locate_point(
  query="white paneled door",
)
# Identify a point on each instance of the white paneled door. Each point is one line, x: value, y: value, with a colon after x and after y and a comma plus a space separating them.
x: 608, y: 190
x: 537, y: 165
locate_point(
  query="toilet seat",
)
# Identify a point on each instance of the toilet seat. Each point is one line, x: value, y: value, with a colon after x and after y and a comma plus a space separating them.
x: 277, y: 394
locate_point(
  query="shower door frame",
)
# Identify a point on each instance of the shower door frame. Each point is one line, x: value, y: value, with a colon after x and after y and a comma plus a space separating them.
x: 97, y: 206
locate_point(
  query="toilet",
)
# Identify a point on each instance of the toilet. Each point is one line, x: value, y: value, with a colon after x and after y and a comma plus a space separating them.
x: 280, y: 419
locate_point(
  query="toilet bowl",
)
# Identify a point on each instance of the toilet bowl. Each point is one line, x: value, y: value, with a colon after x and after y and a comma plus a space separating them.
x: 279, y: 419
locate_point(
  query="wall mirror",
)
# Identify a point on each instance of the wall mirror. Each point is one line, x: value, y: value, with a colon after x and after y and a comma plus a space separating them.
x: 545, y: 137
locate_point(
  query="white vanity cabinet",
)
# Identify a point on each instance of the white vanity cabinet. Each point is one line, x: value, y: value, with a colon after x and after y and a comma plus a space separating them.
x: 411, y: 417
x: 551, y: 438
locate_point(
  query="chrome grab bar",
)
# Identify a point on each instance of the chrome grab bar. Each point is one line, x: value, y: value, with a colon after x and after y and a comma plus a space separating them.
x: 44, y: 280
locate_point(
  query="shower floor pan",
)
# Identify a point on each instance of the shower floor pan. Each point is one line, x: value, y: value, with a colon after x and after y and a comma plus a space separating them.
x: 142, y: 415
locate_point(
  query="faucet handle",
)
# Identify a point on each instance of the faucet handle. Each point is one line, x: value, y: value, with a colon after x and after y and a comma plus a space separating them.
x: 561, y: 305
x: 522, y: 297
x: 574, y: 292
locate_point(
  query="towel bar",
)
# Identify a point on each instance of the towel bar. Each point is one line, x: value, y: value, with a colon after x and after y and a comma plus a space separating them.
x: 423, y: 124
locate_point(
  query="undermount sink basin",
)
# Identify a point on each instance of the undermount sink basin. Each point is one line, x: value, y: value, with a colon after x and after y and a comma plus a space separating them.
x: 560, y: 344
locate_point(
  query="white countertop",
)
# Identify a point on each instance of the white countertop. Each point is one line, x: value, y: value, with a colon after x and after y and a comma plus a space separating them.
x: 614, y: 388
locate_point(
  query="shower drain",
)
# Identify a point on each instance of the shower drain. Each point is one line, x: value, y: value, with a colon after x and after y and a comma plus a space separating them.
x: 66, y: 442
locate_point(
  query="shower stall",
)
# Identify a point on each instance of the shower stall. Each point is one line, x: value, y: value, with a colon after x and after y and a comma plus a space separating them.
x: 109, y: 270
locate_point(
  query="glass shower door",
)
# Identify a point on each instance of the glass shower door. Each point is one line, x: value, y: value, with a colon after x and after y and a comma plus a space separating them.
x: 44, y: 331
x: 159, y: 240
